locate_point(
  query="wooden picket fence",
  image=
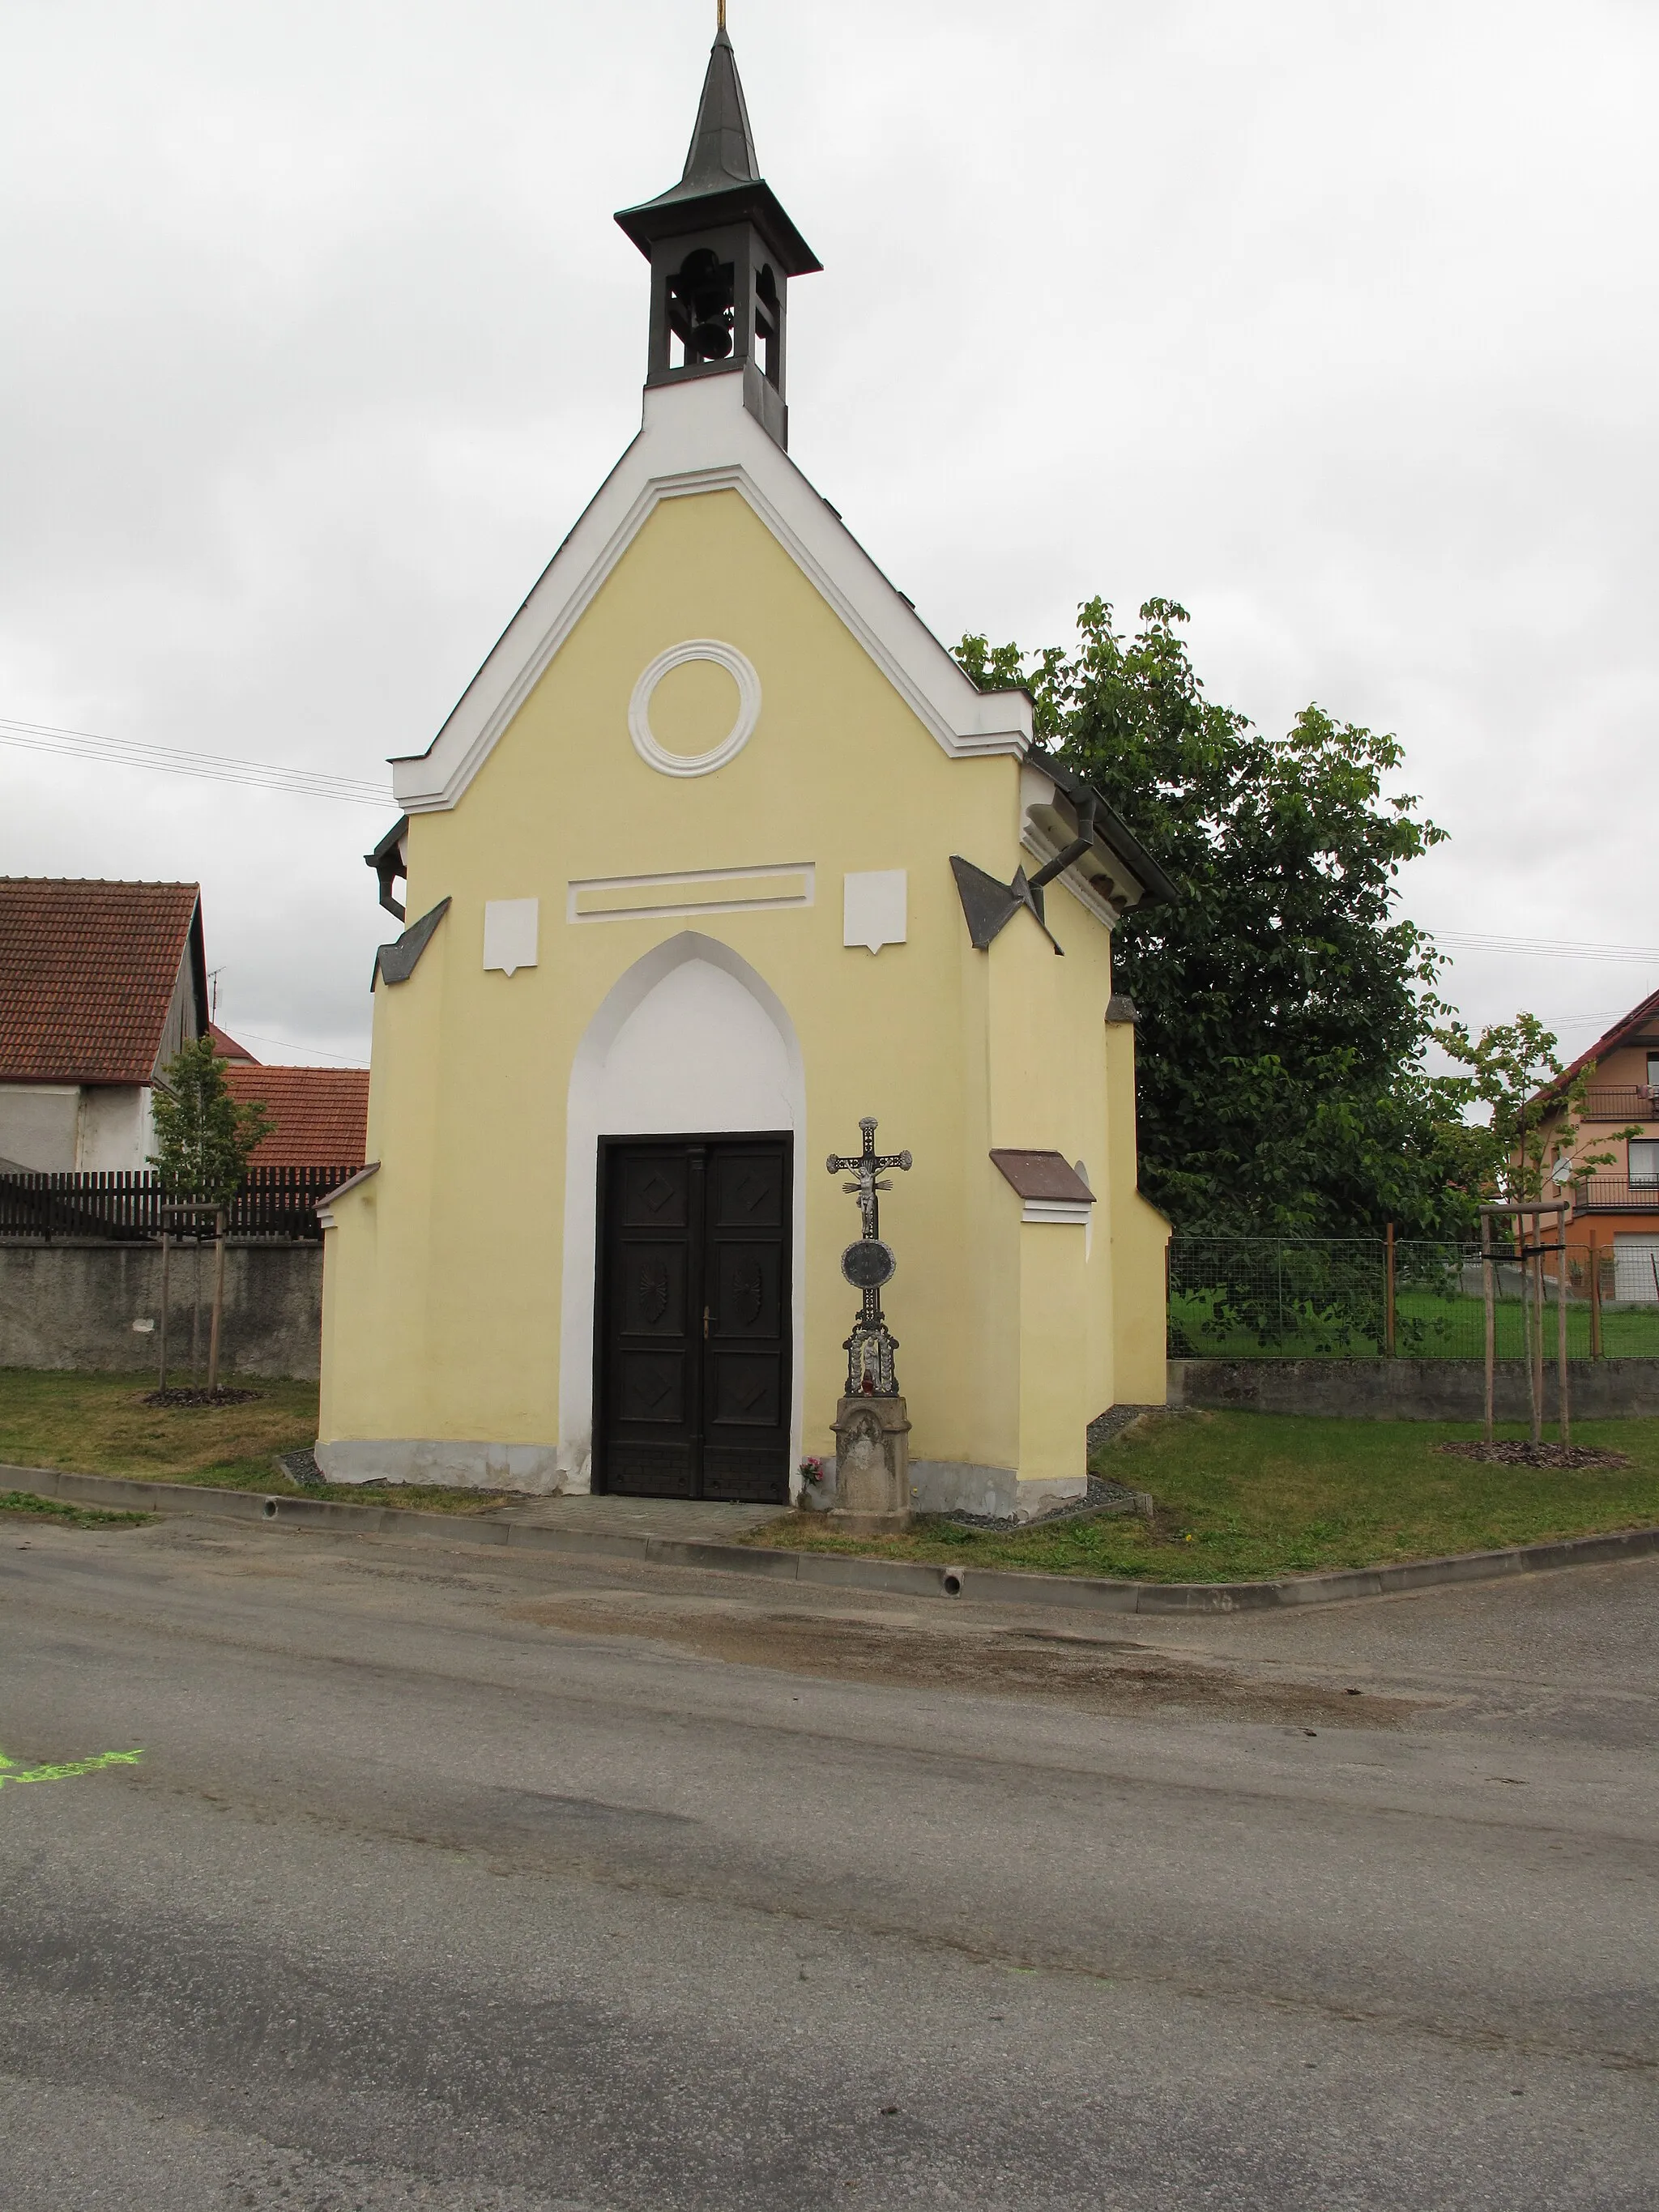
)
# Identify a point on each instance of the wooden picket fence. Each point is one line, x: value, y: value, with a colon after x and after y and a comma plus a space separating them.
x: 126, y: 1205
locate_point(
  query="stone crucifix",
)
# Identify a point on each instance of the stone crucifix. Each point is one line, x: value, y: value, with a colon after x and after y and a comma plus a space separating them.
x: 872, y: 1428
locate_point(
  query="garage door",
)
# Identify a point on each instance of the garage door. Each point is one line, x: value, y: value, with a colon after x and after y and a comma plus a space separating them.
x: 1635, y: 1270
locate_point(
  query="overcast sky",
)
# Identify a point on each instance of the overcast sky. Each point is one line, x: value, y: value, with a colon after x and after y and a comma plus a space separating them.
x: 1335, y: 321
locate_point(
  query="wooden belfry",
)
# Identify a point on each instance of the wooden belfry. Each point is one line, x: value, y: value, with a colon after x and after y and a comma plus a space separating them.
x: 1527, y: 1215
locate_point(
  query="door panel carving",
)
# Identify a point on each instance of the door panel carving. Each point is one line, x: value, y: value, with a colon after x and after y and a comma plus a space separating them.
x: 653, y: 1290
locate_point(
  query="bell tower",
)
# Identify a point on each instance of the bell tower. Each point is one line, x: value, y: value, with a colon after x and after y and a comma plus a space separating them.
x: 722, y: 252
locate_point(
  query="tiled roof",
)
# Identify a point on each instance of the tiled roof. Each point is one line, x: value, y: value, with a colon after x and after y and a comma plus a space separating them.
x: 1640, y: 1017
x: 321, y: 1113
x: 87, y: 977
x: 226, y: 1045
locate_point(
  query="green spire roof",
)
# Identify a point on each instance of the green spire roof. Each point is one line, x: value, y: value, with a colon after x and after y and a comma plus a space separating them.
x: 722, y: 150
x: 722, y: 182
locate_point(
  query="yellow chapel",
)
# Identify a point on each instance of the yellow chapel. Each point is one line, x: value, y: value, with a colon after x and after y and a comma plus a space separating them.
x: 721, y: 856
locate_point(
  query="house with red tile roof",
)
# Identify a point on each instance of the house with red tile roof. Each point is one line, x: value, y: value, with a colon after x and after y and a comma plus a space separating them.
x: 321, y: 1114
x: 226, y: 1045
x: 101, y: 983
x: 1615, y: 1207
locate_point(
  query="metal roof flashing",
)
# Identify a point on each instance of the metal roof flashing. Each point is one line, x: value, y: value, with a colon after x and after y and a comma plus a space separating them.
x: 1042, y: 1175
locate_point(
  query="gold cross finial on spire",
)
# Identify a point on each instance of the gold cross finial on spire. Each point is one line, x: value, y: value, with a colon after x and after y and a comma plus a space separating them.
x: 719, y: 10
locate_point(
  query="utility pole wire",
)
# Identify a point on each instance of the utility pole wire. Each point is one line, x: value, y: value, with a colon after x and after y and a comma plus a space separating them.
x: 176, y: 760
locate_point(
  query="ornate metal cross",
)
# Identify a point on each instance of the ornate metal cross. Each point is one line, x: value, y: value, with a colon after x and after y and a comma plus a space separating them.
x: 870, y: 1347
x: 866, y: 1166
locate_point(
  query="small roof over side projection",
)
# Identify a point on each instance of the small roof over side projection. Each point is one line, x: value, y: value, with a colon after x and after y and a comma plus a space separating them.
x: 1040, y: 1175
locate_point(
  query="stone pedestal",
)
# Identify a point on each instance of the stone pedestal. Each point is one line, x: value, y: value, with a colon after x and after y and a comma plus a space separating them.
x: 872, y: 1468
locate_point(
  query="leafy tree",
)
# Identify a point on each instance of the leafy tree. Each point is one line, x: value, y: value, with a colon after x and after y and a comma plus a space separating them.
x: 206, y: 1136
x: 1533, y: 1115
x: 1287, y: 1009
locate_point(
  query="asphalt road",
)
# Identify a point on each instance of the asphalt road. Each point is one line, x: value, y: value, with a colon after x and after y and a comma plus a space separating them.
x: 454, y: 1881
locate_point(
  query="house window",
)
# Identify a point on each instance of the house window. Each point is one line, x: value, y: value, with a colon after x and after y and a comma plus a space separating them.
x: 1653, y: 1071
x: 1644, y: 1159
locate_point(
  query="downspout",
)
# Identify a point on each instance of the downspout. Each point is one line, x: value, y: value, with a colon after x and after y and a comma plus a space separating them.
x: 1082, y: 844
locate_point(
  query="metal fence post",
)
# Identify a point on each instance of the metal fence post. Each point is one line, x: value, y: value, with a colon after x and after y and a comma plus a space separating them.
x: 166, y: 1255
x: 1489, y: 1281
x: 1536, y: 1334
x: 1561, y: 1324
x: 1596, y: 1300
x: 218, y: 1301
x: 1388, y: 1295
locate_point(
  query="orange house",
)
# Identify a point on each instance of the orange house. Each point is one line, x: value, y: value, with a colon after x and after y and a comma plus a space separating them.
x: 1615, y: 1209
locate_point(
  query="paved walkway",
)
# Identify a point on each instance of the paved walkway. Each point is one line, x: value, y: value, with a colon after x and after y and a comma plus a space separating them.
x: 687, y: 1517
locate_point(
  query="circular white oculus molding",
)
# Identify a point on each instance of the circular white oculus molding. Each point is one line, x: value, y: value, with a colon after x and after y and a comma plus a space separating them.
x: 742, y: 672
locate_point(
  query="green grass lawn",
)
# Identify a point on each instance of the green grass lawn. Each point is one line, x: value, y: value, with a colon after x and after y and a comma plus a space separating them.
x: 1252, y: 1497
x: 19, y: 1504
x: 99, y: 1425
x: 1241, y: 1497
x: 1428, y: 1326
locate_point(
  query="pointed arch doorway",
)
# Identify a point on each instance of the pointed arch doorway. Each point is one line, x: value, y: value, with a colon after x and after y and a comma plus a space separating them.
x: 682, y: 1328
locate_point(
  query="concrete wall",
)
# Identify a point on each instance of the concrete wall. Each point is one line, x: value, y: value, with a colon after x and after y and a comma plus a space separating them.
x: 1409, y: 1389
x: 65, y: 1305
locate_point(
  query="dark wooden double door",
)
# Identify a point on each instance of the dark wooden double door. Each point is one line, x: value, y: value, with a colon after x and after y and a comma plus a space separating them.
x: 692, y: 1397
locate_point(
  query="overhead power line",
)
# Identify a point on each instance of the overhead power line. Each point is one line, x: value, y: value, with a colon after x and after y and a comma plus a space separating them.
x: 287, y: 1044
x: 1541, y: 948
x: 214, y: 768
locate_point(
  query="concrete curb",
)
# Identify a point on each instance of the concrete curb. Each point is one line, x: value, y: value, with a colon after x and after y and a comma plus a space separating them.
x: 839, y: 1570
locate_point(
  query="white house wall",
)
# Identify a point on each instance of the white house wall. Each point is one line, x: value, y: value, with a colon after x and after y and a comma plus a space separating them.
x: 37, y: 1126
x: 114, y: 1134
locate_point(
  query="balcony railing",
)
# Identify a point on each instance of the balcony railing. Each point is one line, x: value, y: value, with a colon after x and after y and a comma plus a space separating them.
x: 1634, y: 1102
x: 1615, y: 1194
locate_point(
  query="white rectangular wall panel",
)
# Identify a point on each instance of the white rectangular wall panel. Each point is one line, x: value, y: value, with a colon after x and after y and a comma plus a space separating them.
x: 875, y: 908
x: 511, y: 930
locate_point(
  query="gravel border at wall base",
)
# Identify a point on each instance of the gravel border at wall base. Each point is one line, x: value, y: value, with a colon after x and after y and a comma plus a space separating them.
x: 840, y: 1569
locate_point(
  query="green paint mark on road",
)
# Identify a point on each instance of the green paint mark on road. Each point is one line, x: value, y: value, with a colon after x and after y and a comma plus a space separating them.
x: 11, y: 1771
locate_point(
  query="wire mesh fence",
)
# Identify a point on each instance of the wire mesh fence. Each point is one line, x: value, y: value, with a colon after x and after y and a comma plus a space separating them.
x: 1367, y: 1297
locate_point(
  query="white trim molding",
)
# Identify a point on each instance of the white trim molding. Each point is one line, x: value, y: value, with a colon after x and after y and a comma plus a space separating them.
x: 698, y: 437
x: 695, y: 890
x: 736, y: 666
x: 719, y: 1092
x: 1076, y: 1213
